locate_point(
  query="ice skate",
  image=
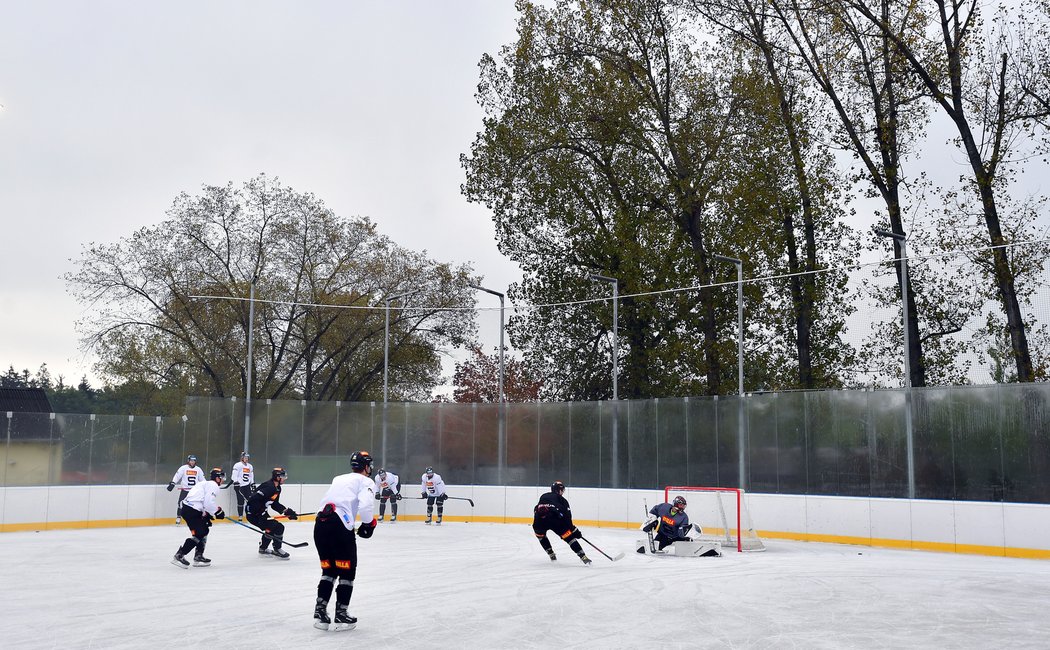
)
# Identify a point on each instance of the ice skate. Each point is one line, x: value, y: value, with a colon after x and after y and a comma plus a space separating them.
x: 586, y: 560
x: 380, y: 519
x: 427, y: 521
x: 264, y: 552
x: 553, y: 557
x: 438, y: 522
x: 393, y: 519
x: 200, y: 560
x: 321, y: 620
x: 178, y: 520
x: 280, y: 554
x: 180, y: 561
x: 343, y: 621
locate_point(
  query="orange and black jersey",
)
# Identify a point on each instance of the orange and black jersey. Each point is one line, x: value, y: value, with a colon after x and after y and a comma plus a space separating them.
x: 268, y: 493
x: 553, y: 508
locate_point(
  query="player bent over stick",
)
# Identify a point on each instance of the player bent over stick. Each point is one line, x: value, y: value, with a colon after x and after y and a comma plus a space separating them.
x: 268, y: 494
x: 349, y: 495
x: 199, y: 506
x: 433, y: 490
x: 388, y: 488
x: 553, y: 513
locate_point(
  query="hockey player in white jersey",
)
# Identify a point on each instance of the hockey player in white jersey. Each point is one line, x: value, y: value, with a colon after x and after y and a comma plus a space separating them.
x: 388, y: 488
x: 185, y: 478
x: 198, y: 508
x: 350, y: 495
x: 242, y: 477
x: 434, y: 492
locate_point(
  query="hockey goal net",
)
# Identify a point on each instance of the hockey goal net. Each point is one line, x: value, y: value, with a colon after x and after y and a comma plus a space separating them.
x: 721, y: 513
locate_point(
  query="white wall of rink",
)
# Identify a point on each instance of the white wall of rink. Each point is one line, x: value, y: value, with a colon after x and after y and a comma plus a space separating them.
x: 1011, y: 529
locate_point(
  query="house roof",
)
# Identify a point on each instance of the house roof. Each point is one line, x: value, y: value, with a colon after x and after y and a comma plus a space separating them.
x: 24, y: 400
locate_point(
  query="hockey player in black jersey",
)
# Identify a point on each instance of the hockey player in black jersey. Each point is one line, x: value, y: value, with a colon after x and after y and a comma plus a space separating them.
x: 268, y: 494
x: 554, y: 514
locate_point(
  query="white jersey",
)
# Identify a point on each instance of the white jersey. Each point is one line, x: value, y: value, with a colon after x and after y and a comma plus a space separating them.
x: 242, y: 474
x: 352, y: 495
x: 388, y: 482
x: 433, y: 485
x: 187, y: 477
x: 204, y: 497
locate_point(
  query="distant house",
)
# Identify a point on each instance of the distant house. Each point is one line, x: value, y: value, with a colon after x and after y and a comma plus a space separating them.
x: 30, y: 438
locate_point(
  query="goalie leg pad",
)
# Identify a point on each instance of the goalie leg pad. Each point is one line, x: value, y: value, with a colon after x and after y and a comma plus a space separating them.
x: 697, y: 549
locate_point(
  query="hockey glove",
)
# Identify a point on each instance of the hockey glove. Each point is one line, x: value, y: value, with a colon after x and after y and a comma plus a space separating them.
x: 291, y: 514
x: 219, y: 514
x: 574, y: 534
x: 377, y: 496
x: 171, y: 486
x: 424, y: 495
x: 251, y: 487
x: 398, y: 496
x: 442, y: 498
x: 366, y: 530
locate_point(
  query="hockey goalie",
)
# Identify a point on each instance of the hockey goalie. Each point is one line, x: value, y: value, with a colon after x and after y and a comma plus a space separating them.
x: 668, y: 526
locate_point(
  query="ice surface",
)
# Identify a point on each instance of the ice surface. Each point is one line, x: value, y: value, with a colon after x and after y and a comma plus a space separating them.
x: 474, y: 585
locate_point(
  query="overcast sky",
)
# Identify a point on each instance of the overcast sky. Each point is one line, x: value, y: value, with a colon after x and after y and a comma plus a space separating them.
x: 112, y: 108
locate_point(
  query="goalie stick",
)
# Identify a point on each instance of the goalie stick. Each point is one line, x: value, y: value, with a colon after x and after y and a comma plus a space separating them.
x: 266, y: 534
x: 619, y: 556
x: 649, y: 533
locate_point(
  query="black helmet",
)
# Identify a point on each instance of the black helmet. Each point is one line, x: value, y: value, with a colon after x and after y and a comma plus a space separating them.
x: 245, y: 454
x: 217, y: 472
x: 382, y: 471
x: 558, y: 487
x: 429, y: 471
x: 360, y: 460
x: 679, y: 503
x: 278, y: 472
x: 191, y: 457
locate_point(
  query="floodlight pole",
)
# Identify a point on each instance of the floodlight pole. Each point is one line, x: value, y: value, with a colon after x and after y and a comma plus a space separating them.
x: 901, y: 240
x: 248, y: 384
x: 615, y: 474
x: 741, y: 436
x: 501, y: 434
x: 386, y: 366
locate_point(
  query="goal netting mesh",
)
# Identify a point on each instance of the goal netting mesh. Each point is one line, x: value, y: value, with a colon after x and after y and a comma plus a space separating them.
x: 721, y: 513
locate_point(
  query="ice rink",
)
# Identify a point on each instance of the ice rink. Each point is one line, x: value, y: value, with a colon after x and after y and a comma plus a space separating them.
x: 469, y: 585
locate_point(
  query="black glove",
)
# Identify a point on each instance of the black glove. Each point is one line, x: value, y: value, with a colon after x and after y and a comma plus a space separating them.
x: 377, y: 496
x: 171, y: 486
x: 442, y: 498
x: 219, y: 514
x: 424, y: 496
x: 575, y: 534
x: 251, y: 487
x: 290, y: 513
x: 398, y: 495
x: 366, y: 530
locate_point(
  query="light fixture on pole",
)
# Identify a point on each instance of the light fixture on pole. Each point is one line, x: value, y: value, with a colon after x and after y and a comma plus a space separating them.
x: 386, y: 365
x: 901, y: 240
x: 500, y: 443
x: 615, y: 474
x: 739, y: 362
x: 248, y: 383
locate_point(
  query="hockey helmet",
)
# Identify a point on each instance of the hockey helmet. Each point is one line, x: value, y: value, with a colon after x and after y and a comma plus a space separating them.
x: 278, y: 472
x: 429, y: 471
x: 360, y: 460
x: 191, y: 459
x: 382, y: 472
x: 217, y: 473
x: 245, y: 455
x: 558, y: 487
x: 679, y: 503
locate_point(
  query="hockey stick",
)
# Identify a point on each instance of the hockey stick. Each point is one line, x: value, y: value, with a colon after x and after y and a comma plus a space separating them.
x: 266, y: 534
x: 619, y: 556
x: 463, y: 499
x: 301, y: 514
x: 649, y: 533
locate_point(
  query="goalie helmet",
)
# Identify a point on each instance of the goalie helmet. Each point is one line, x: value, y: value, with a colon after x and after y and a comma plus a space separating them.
x: 558, y: 487
x: 217, y: 473
x: 360, y: 460
x: 679, y: 503
x: 278, y: 472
